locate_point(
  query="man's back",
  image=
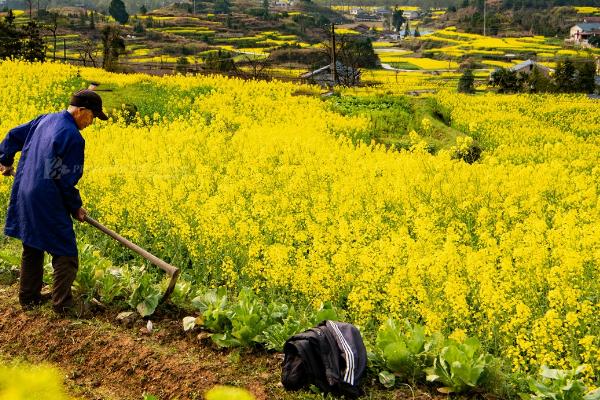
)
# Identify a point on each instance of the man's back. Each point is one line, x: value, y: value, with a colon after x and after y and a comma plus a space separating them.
x: 44, y: 194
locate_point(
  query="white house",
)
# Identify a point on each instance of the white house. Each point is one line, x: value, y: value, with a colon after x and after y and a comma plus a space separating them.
x: 580, y: 33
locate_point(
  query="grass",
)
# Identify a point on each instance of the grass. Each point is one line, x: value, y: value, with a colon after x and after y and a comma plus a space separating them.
x: 392, y: 118
x: 403, y: 65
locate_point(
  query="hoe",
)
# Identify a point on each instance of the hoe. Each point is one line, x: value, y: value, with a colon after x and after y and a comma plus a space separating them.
x: 172, y: 271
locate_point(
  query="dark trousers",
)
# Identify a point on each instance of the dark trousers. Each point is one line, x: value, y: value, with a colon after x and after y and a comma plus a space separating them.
x: 32, y: 272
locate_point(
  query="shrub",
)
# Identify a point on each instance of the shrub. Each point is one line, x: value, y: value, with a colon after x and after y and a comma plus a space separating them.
x: 466, y: 83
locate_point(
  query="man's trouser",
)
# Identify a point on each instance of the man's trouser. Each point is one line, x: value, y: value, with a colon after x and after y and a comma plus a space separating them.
x: 32, y: 272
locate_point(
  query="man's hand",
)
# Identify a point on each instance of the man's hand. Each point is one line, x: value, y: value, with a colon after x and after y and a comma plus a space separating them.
x: 6, y: 171
x: 80, y: 215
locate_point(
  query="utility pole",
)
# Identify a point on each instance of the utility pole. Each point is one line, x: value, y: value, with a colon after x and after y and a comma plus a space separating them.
x: 333, y: 62
x: 484, y: 17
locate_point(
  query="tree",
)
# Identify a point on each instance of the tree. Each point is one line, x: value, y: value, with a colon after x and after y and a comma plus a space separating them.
x: 52, y: 26
x: 565, y: 76
x: 594, y: 40
x: 222, y: 6
x: 118, y: 11
x: 33, y: 48
x: 585, y: 77
x: 537, y: 82
x: 417, y: 33
x: 138, y: 27
x: 397, y: 19
x: 265, y: 7
x: 407, y: 29
x: 113, y: 46
x: 10, y: 42
x: 353, y: 51
x: 143, y: 9
x: 507, y: 80
x: 83, y: 19
x: 257, y: 66
x: 466, y: 83
x: 92, y: 21
x: 10, y: 17
x: 182, y: 64
x: 87, y: 49
x: 219, y: 61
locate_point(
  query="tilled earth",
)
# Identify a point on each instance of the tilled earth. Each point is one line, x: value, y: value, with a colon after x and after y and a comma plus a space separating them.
x: 103, y: 360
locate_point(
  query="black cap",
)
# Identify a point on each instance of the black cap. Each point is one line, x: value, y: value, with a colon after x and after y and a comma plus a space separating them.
x: 90, y: 100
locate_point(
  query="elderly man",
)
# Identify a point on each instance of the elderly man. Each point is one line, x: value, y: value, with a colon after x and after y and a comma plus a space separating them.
x: 44, y: 196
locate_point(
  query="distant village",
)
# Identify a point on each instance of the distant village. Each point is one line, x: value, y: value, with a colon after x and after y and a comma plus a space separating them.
x: 582, y: 32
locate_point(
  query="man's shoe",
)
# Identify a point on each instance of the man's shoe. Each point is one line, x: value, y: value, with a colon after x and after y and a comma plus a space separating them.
x: 30, y: 305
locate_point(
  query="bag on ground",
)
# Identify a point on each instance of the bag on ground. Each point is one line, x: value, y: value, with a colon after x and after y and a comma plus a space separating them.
x: 331, y: 356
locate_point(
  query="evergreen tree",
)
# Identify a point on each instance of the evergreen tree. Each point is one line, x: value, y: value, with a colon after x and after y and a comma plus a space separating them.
x: 222, y: 6
x: 113, y: 46
x: 92, y: 21
x: 417, y: 33
x: 466, y: 83
x: 138, y: 27
x: 407, y: 29
x: 143, y: 9
x: 182, y: 64
x: 507, y: 81
x: 118, y: 11
x: 83, y: 18
x: 586, y: 77
x: 33, y: 48
x: 397, y: 19
x: 565, y: 76
x: 537, y: 82
x: 219, y: 61
x: 10, y: 17
x: 10, y: 41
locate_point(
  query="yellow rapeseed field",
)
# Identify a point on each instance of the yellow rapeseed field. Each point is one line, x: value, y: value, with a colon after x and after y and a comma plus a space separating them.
x: 255, y: 183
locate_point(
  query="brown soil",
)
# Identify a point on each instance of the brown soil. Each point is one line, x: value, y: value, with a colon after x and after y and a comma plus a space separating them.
x: 103, y: 360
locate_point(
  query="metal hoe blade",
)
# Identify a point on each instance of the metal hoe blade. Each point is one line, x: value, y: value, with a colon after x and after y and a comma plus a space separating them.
x: 172, y: 271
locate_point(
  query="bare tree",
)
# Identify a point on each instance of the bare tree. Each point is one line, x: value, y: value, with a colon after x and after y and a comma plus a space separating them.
x: 257, y: 66
x: 88, y: 50
x: 52, y: 27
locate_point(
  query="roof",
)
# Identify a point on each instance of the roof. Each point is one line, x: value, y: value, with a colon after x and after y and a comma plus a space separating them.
x: 341, y: 69
x: 528, y: 63
x: 588, y: 26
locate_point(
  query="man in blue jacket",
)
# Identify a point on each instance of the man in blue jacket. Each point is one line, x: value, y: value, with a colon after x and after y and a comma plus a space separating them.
x: 44, y: 196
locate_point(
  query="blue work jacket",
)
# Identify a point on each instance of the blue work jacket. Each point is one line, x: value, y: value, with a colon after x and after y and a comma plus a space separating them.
x: 44, y: 195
